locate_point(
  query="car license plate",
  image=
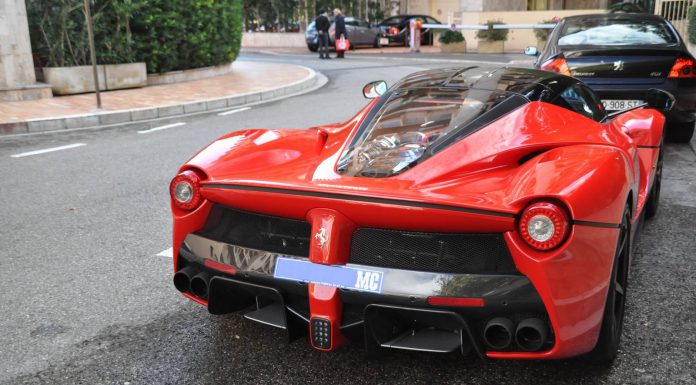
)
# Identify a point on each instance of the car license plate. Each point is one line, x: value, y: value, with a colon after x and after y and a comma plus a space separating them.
x: 383, y: 41
x: 617, y: 105
x: 337, y: 276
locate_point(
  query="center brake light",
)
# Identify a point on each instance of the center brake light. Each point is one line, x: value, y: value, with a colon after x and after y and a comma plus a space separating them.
x: 557, y: 64
x: 683, y: 68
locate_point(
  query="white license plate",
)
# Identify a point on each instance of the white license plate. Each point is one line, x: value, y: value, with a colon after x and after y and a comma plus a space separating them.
x: 383, y: 41
x: 617, y: 105
x: 329, y: 275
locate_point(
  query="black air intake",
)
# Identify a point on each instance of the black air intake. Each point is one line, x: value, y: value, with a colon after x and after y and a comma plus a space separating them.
x: 433, y: 252
x: 258, y: 231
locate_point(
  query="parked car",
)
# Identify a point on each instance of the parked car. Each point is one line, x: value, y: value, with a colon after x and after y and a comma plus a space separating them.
x: 621, y: 57
x: 360, y: 33
x: 485, y: 210
x: 397, y: 29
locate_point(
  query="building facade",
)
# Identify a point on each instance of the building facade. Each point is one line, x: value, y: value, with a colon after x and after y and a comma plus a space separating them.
x: 477, y: 12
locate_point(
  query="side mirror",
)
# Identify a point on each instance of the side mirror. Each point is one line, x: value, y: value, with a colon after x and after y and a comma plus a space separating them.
x: 659, y: 99
x: 375, y: 89
x: 531, y: 51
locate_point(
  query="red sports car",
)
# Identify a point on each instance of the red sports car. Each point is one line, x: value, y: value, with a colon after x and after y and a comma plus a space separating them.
x: 485, y: 210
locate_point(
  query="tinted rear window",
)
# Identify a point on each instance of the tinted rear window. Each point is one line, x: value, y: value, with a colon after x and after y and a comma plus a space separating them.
x: 615, y: 32
x: 412, y: 120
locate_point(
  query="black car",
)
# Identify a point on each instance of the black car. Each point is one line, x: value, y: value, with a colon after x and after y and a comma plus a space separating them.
x: 360, y: 33
x: 396, y: 29
x: 621, y: 57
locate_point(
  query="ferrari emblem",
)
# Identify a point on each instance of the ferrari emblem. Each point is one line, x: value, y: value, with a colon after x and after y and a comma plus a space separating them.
x: 321, y: 237
x: 618, y: 65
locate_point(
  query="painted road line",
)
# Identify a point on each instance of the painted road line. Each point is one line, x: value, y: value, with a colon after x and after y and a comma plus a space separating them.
x: 234, y: 111
x: 166, y: 253
x: 160, y: 128
x: 52, y: 149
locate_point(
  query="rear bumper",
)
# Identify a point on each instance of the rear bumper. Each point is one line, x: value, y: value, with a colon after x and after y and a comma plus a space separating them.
x: 684, y: 90
x: 401, y: 308
x: 242, y: 280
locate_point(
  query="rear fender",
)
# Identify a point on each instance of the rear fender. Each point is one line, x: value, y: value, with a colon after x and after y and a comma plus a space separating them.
x: 643, y: 126
x: 593, y: 181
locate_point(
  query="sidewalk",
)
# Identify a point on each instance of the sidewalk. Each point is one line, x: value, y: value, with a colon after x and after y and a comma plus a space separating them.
x: 249, y: 82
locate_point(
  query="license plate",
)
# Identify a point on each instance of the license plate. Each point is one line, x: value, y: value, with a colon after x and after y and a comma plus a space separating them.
x: 337, y: 276
x: 617, y: 105
x: 383, y: 41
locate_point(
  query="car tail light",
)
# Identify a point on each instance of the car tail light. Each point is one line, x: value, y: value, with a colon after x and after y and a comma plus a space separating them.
x: 544, y: 225
x: 682, y: 68
x: 393, y: 31
x: 185, y: 190
x: 557, y: 64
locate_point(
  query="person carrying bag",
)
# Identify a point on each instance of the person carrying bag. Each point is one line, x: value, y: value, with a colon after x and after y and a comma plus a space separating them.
x: 341, y: 37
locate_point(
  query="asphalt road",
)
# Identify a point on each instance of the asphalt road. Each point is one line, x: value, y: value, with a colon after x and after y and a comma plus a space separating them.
x: 85, y: 299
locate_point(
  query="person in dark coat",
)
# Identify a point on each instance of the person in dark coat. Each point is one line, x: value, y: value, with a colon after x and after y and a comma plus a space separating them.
x: 322, y: 24
x: 340, y: 30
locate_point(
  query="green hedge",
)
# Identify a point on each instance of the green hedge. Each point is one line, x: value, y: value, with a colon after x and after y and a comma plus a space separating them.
x: 451, y: 37
x: 166, y: 34
x: 691, y: 32
x: 491, y: 34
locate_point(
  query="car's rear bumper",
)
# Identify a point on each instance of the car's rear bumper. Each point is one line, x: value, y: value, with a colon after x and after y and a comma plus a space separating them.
x: 242, y: 279
x: 566, y: 291
x: 684, y: 90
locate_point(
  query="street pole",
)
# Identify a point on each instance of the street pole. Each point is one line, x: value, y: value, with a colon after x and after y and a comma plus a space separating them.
x: 92, y: 51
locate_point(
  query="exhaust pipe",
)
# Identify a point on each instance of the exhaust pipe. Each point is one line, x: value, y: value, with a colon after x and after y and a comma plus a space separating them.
x: 182, y: 279
x: 531, y: 334
x: 498, y: 333
x: 199, y: 285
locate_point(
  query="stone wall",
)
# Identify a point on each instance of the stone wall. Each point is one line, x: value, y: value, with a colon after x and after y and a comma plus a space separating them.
x: 17, y: 78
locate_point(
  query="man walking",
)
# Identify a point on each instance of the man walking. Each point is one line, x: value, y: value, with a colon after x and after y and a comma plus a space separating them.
x: 322, y: 24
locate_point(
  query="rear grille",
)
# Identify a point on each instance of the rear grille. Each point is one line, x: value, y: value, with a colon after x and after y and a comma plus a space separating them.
x: 432, y: 252
x: 257, y: 231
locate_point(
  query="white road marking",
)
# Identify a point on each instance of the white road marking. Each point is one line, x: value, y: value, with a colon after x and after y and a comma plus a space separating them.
x: 166, y: 253
x: 234, y: 111
x: 52, y: 149
x: 160, y: 128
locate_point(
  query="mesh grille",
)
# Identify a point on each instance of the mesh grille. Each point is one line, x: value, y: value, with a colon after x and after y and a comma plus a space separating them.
x: 257, y: 231
x: 433, y: 252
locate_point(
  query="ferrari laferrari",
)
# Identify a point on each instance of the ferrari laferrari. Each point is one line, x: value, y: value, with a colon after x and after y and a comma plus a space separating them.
x: 483, y: 210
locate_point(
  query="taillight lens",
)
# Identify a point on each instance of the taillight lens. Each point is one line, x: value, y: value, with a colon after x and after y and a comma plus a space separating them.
x: 557, y: 64
x: 185, y: 190
x: 682, y: 68
x: 544, y: 225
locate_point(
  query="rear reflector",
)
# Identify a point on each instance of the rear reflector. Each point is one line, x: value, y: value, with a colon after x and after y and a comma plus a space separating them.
x: 683, y: 68
x: 220, y: 266
x: 454, y: 301
x: 557, y: 64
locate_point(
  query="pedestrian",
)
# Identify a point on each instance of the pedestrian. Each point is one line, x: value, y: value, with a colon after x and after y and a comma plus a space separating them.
x: 322, y: 24
x: 341, y: 32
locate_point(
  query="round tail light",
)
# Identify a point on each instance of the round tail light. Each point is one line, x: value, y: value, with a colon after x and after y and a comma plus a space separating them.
x: 544, y: 225
x: 185, y: 190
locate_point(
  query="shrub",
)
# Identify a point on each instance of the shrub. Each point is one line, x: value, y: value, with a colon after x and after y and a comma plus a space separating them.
x: 691, y: 31
x: 543, y: 33
x: 491, y: 34
x: 166, y: 34
x: 451, y: 37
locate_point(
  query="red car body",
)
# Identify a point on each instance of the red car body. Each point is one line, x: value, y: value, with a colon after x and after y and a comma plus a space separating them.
x: 594, y: 170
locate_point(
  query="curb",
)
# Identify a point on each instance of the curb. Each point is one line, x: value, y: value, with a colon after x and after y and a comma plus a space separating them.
x: 149, y: 114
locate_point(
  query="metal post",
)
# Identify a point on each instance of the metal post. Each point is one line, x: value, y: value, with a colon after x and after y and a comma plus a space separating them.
x: 92, y: 51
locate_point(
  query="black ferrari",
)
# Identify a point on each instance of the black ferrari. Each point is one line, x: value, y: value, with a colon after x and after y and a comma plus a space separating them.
x: 621, y: 57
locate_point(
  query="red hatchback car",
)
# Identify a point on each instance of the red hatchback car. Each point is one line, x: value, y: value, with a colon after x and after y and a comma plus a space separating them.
x: 484, y: 210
